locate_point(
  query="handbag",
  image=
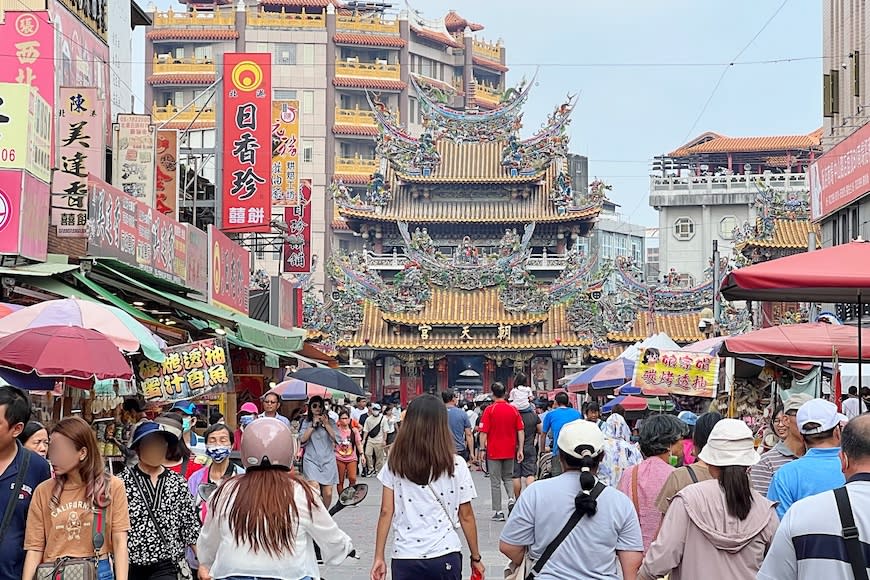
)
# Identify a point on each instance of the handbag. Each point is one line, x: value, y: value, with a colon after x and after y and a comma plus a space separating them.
x: 94, y: 568
x: 524, y: 570
x: 181, y: 565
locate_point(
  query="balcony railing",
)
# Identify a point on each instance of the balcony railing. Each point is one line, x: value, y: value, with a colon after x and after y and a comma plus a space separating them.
x: 369, y: 70
x: 355, y: 165
x: 487, y: 50
x: 263, y: 19
x: 364, y: 23
x: 356, y: 116
x: 194, y: 17
x: 168, y: 64
x: 189, y: 115
x: 397, y: 260
x: 487, y: 94
x: 728, y: 183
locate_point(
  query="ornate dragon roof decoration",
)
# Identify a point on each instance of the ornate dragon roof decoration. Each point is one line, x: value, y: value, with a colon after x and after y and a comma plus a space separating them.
x: 771, y: 205
x: 660, y: 297
x: 533, y: 155
x: 409, y: 290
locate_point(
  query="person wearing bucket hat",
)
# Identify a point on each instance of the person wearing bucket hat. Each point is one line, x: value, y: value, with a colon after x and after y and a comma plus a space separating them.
x: 605, y: 544
x: 717, y: 529
x: 818, y: 470
x: 789, y: 448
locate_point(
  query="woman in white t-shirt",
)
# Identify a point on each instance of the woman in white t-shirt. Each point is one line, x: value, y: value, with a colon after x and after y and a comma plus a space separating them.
x: 426, y: 499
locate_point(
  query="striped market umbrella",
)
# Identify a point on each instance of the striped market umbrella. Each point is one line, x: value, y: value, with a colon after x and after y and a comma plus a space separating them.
x: 629, y: 402
x: 608, y: 374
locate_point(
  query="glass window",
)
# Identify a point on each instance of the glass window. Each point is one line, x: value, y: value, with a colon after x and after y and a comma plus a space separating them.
x: 307, y: 151
x: 726, y: 227
x: 284, y: 94
x: 308, y: 54
x: 307, y: 102
x: 684, y: 228
x: 284, y: 53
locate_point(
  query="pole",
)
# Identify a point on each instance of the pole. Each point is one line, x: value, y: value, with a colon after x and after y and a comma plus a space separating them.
x: 860, y: 349
x: 811, y: 247
x: 716, y: 281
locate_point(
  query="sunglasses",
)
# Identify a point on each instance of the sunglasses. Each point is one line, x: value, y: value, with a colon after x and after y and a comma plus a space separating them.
x: 315, y: 406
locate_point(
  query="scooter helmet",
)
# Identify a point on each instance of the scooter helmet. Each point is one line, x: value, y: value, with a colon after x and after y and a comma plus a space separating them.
x: 268, y: 443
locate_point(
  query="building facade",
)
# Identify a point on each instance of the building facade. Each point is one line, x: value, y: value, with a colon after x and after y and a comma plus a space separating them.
x: 707, y: 188
x: 328, y: 57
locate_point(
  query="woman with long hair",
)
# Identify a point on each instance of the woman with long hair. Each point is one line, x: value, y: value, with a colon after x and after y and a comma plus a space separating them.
x: 82, y: 512
x: 721, y: 528
x: 318, y: 440
x: 35, y: 437
x: 426, y: 498
x: 605, y: 544
x: 161, y: 507
x: 348, y: 450
x: 264, y: 524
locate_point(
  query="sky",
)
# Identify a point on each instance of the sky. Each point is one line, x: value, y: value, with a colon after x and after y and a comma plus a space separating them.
x: 646, y: 73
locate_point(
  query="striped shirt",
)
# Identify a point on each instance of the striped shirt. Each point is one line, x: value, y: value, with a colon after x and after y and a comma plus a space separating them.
x: 809, y: 545
x: 762, y: 472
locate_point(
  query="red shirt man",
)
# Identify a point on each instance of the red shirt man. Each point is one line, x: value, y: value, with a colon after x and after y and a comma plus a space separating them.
x: 501, y: 436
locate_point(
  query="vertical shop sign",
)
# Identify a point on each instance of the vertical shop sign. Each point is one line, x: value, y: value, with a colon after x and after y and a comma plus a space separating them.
x: 134, y: 157
x: 80, y: 147
x: 247, y: 122
x: 229, y: 272
x: 297, y: 244
x: 197, y: 260
x: 35, y: 201
x: 25, y: 130
x: 285, y: 152
x: 166, y: 172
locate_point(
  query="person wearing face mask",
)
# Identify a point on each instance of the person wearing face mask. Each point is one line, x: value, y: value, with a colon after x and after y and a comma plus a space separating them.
x: 348, y: 450
x: 375, y: 439
x: 180, y: 458
x: 318, y: 440
x: 218, y: 446
x: 247, y: 413
x: 187, y: 410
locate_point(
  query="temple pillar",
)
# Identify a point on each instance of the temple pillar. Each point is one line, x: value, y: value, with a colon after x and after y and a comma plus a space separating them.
x: 403, y: 388
x: 418, y: 381
x: 488, y: 374
x: 443, y: 375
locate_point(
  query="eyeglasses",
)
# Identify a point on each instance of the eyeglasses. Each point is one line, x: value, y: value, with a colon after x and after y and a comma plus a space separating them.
x: 270, y: 402
x: 315, y: 405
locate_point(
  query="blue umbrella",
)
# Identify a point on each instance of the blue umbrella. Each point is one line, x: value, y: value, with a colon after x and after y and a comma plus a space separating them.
x: 629, y: 389
x: 608, y: 374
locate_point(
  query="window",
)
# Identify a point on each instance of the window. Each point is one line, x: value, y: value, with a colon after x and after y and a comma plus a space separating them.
x: 412, y: 109
x: 178, y: 100
x: 308, y: 54
x: 284, y: 53
x: 726, y: 227
x: 307, y: 102
x: 284, y: 95
x: 307, y: 151
x: 684, y: 228
x: 203, y: 52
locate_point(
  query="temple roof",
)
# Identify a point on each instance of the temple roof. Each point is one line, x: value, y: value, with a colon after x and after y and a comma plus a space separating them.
x: 788, y: 234
x: 192, y: 34
x: 458, y: 307
x: 682, y: 328
x: 479, y: 162
x: 369, y: 39
x: 715, y: 143
x: 456, y: 23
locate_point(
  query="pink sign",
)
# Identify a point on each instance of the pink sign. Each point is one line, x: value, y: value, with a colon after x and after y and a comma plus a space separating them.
x: 35, y: 202
x: 197, y: 260
x: 230, y: 272
x: 10, y: 210
x: 82, y: 60
x: 27, y: 52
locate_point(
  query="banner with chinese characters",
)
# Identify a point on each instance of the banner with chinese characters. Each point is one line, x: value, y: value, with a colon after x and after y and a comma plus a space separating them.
x: 197, y: 261
x: 166, y: 172
x: 27, y: 55
x: 297, y: 238
x: 25, y: 130
x: 132, y: 232
x: 189, y: 371
x: 285, y: 152
x: 133, y: 162
x: 229, y: 274
x: 80, y: 151
x: 681, y: 373
x: 247, y: 122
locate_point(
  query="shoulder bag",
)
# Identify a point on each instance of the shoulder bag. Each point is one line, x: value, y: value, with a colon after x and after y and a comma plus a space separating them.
x: 854, y: 548
x: 15, y: 492
x: 81, y: 568
x: 524, y: 571
x: 181, y: 565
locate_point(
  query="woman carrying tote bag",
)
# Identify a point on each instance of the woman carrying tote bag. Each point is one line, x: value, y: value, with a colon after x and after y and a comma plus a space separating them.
x: 78, y: 522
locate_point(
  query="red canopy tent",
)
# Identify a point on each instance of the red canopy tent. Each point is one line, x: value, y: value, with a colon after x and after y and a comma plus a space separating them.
x: 809, y: 341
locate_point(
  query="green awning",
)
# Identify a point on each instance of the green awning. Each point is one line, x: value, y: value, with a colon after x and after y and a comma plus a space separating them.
x: 114, y: 300
x: 42, y: 270
x: 252, y: 331
x: 271, y: 357
x: 63, y: 289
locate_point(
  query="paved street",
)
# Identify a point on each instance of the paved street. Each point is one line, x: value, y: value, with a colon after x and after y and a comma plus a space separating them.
x: 360, y: 523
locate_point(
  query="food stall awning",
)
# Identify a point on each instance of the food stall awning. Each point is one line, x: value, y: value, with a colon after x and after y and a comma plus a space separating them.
x: 808, y: 341
x: 42, y: 269
x: 248, y: 329
x: 61, y: 288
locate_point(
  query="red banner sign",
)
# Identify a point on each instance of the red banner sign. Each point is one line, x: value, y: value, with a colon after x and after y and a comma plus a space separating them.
x: 297, y: 245
x: 197, y: 260
x: 842, y: 175
x: 135, y: 233
x: 247, y: 142
x: 230, y: 272
x: 166, y: 168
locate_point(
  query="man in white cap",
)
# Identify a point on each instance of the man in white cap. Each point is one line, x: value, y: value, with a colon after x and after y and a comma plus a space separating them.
x: 815, y: 538
x: 787, y: 450
x: 819, y: 469
x: 610, y: 547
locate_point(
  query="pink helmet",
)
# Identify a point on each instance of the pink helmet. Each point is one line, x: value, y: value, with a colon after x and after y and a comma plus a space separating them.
x: 268, y: 443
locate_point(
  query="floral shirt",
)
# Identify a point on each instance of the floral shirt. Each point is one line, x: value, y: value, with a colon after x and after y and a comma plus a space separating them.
x: 172, y: 506
x: 619, y: 452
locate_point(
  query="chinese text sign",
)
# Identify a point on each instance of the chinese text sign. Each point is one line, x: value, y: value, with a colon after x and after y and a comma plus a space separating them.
x: 297, y: 244
x: 679, y: 372
x: 247, y: 161
x: 166, y: 172
x: 230, y: 272
x: 189, y: 370
x: 285, y: 152
x: 134, y: 157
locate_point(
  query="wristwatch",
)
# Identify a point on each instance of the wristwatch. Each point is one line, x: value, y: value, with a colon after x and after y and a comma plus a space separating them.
x: 475, y: 560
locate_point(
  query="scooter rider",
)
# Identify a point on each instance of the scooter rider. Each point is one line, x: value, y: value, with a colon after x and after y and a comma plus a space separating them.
x: 263, y: 524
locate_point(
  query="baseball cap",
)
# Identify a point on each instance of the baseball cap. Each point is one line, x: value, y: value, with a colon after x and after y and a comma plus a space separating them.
x: 819, y: 411
x: 170, y: 425
x: 186, y: 407
x: 795, y: 402
x: 147, y: 428
x: 688, y: 417
x: 376, y: 407
x: 731, y: 443
x: 249, y: 408
x: 580, y: 433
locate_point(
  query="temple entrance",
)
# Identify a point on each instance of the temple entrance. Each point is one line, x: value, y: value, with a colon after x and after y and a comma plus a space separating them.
x: 465, y: 373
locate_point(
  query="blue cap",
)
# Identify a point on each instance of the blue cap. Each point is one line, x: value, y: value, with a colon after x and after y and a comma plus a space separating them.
x: 149, y: 428
x: 688, y: 417
x: 186, y: 407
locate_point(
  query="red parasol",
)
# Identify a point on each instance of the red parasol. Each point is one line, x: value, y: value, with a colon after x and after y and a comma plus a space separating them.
x: 71, y: 353
x: 809, y: 341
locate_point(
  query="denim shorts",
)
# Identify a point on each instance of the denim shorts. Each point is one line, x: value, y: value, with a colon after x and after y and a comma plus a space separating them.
x: 446, y: 567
